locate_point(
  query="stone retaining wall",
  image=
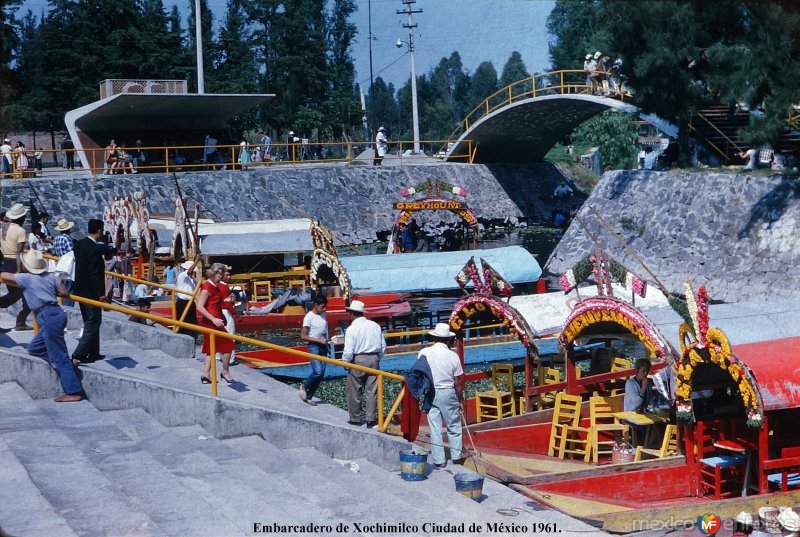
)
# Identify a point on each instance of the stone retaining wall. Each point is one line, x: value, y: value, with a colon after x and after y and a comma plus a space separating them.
x: 355, y: 201
x: 738, y: 234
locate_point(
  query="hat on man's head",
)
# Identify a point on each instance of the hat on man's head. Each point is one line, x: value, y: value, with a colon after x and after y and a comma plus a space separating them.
x: 356, y: 306
x: 291, y: 132
x: 17, y: 210
x: 34, y: 262
x: 441, y: 330
x: 186, y: 265
x: 589, y: 56
x: 381, y: 129
x: 64, y: 224
x: 597, y: 55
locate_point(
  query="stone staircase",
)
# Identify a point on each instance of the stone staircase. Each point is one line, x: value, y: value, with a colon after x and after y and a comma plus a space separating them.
x: 151, y: 454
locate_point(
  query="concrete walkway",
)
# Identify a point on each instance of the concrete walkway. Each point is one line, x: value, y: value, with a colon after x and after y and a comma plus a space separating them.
x: 152, y: 453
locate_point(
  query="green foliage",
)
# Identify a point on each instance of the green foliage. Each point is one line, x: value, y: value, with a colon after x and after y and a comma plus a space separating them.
x: 680, y: 56
x: 614, y: 133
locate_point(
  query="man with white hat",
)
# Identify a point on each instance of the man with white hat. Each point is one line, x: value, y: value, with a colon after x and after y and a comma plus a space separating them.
x: 12, y: 242
x: 381, y: 147
x: 63, y: 243
x: 41, y: 291
x: 364, y: 345
x: 448, y: 385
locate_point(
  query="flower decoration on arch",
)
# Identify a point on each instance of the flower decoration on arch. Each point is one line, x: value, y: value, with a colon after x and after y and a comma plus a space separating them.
x: 701, y: 344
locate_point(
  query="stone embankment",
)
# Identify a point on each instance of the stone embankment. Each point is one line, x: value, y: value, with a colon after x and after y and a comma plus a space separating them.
x: 735, y: 233
x: 355, y: 201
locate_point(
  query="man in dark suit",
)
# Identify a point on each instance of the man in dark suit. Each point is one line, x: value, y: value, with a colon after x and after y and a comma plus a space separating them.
x: 90, y: 283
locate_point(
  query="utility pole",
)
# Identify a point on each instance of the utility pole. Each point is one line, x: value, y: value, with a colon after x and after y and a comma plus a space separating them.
x: 410, y: 26
x: 371, y: 88
x: 198, y: 37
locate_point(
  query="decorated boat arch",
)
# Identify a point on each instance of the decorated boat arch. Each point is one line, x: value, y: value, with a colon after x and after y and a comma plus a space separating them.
x: 607, y: 317
x: 325, y: 265
x: 435, y: 199
x: 485, y: 305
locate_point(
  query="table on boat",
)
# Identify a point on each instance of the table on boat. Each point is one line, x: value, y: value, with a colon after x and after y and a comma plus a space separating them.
x: 739, y: 446
x: 641, y: 419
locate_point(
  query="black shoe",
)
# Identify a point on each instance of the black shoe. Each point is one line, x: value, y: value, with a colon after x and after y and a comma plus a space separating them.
x: 82, y: 359
x: 204, y: 379
x: 372, y: 424
x: 23, y: 327
x: 459, y: 461
x: 231, y: 381
x: 356, y: 423
x: 442, y: 465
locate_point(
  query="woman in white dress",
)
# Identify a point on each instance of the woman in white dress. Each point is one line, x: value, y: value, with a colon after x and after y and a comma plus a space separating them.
x: 21, y: 157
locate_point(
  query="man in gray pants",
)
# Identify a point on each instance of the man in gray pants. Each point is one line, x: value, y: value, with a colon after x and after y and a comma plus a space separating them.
x: 363, y: 345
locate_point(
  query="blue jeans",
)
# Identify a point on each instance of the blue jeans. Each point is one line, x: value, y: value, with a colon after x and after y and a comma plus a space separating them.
x: 317, y: 369
x: 48, y: 343
x: 445, y: 407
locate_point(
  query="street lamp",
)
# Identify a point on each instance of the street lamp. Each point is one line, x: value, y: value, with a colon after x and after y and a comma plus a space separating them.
x: 399, y: 44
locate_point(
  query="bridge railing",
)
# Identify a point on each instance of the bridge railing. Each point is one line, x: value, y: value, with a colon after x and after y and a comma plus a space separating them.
x: 563, y: 82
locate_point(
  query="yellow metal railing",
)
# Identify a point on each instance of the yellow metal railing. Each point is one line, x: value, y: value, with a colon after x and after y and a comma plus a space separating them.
x: 166, y: 159
x: 383, y: 421
x: 730, y: 143
x: 563, y: 82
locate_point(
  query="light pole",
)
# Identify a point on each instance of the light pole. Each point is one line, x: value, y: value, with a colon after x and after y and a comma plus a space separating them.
x: 410, y: 25
x: 198, y: 36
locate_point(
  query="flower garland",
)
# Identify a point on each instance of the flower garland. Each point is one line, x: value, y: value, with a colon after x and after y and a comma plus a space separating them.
x: 322, y: 258
x: 582, y: 269
x: 510, y: 317
x: 717, y: 352
x: 434, y: 186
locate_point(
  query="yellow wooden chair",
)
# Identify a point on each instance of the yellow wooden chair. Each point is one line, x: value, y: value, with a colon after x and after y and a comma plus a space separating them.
x: 262, y: 290
x: 605, y: 428
x: 620, y: 364
x: 546, y: 399
x: 668, y: 447
x: 498, y: 402
x: 566, y: 414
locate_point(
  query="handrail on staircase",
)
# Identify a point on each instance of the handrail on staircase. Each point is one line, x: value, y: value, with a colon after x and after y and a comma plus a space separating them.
x: 383, y: 421
x: 723, y: 153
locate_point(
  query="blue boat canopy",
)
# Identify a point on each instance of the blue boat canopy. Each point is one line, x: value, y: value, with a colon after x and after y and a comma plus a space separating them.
x: 435, y: 271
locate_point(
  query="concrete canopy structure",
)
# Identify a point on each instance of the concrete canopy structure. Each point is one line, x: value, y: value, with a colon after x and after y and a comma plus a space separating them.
x: 155, y: 119
x: 525, y: 130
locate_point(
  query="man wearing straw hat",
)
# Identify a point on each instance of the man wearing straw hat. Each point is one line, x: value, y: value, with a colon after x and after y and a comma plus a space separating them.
x: 448, y: 383
x: 363, y: 345
x: 12, y: 242
x: 41, y: 291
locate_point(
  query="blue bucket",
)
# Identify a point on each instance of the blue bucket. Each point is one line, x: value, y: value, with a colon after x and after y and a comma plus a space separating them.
x: 469, y: 484
x: 413, y: 465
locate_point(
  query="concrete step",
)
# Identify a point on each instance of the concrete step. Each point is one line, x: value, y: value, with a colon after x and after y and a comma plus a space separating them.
x: 59, y: 468
x: 155, y: 491
x: 237, y: 487
x: 33, y: 517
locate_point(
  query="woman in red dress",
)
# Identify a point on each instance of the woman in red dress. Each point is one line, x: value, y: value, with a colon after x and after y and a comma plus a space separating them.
x: 209, y: 305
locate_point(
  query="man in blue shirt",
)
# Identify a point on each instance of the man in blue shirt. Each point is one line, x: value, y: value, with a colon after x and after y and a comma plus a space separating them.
x: 41, y: 291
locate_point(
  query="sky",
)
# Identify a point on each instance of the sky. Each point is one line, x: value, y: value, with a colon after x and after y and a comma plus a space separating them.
x: 480, y: 30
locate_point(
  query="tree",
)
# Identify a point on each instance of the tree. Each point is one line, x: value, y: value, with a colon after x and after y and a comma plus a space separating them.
x: 340, y: 35
x: 614, y: 133
x: 8, y: 44
x: 482, y: 84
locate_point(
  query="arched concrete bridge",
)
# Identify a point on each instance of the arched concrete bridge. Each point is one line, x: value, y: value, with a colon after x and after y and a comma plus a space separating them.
x: 523, y: 121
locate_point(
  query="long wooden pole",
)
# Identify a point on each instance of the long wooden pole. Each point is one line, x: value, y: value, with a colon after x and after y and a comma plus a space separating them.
x: 629, y: 250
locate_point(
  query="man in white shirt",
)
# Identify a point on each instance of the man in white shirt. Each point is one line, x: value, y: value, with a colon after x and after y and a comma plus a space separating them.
x: 448, y: 384
x: 12, y: 243
x: 381, y: 147
x: 363, y: 345
x: 315, y: 332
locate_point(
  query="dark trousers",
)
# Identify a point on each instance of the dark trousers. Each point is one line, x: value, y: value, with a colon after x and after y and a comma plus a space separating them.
x: 89, y: 344
x: 70, y: 160
x: 14, y: 294
x: 191, y: 316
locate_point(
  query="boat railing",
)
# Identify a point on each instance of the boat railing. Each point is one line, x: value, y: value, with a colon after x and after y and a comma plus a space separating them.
x: 383, y: 376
